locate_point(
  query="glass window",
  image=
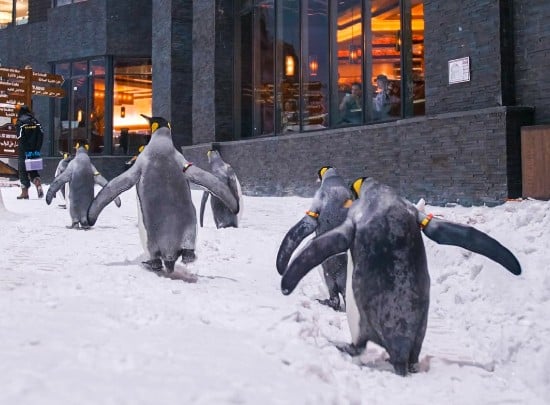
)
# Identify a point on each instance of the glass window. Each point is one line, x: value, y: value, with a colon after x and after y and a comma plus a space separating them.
x: 132, y: 96
x: 385, y: 79
x: 71, y: 112
x: 6, y: 13
x: 58, y: 3
x: 289, y: 65
x: 312, y: 64
x: 419, y: 97
x: 21, y: 12
x: 316, y: 67
x: 349, y: 42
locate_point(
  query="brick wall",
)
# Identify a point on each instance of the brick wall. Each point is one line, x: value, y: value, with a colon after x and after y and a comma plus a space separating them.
x: 456, y: 29
x: 466, y: 158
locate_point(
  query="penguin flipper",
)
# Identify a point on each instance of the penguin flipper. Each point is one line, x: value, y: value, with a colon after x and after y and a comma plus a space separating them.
x: 467, y: 237
x: 214, y: 185
x: 112, y: 189
x: 292, y: 240
x: 102, y: 181
x: 204, y: 199
x: 57, y: 183
x: 319, y: 249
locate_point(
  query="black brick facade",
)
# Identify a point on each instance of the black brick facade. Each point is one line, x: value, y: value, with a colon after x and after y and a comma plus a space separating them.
x: 465, y: 157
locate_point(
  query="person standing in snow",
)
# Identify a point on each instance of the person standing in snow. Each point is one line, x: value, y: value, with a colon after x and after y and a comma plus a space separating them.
x: 30, y: 137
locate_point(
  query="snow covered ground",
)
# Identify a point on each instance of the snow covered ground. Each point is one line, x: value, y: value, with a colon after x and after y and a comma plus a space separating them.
x: 81, y: 322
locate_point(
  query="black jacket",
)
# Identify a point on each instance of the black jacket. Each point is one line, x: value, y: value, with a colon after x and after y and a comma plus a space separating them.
x: 29, y: 133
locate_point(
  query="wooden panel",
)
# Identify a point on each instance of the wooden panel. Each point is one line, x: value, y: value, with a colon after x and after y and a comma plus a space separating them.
x: 535, y: 158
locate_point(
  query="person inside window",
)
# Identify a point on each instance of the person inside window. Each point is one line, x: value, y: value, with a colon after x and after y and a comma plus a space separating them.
x: 290, y: 115
x: 30, y: 137
x: 350, y: 107
x: 382, y: 100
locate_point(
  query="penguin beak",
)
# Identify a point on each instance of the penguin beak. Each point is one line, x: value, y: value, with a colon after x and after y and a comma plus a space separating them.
x: 146, y: 117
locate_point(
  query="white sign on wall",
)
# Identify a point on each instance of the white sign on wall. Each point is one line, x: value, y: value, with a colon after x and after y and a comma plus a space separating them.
x: 459, y: 70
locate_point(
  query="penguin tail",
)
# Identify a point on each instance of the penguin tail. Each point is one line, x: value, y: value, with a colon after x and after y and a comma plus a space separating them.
x: 472, y: 239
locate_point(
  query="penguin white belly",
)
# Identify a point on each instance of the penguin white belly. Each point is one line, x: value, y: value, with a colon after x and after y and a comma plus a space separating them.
x: 141, y: 227
x: 67, y: 195
x: 241, y: 202
x: 352, y: 312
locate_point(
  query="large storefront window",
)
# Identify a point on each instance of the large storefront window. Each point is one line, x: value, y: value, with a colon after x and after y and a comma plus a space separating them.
x: 310, y: 65
x: 132, y: 96
x: 79, y: 116
x: 14, y: 11
x: 349, y: 52
x: 85, y: 113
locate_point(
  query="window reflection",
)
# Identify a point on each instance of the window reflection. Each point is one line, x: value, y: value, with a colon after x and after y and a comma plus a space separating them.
x: 288, y: 52
x: 132, y: 96
x: 316, y: 64
x: 58, y: 3
x: 419, y: 97
x: 6, y: 13
x: 81, y: 114
x: 21, y: 12
x: 349, y: 41
x: 315, y: 87
x: 385, y: 82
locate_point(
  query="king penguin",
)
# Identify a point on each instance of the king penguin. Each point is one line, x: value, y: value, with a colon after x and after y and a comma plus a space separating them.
x: 223, y: 217
x: 81, y: 175
x: 388, y: 285
x: 61, y: 166
x: 168, y: 220
x: 328, y: 209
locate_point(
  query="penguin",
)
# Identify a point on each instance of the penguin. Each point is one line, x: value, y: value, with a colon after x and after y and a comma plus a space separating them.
x: 328, y: 209
x: 223, y: 217
x: 81, y: 175
x: 166, y: 215
x: 388, y: 284
x: 61, y: 166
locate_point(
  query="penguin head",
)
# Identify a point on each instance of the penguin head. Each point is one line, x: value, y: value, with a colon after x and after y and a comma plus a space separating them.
x: 321, y: 172
x: 212, y: 154
x: 356, y: 186
x: 157, y: 122
x: 82, y: 144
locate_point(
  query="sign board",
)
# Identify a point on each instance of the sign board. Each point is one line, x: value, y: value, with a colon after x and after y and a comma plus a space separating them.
x: 459, y: 70
x: 7, y: 112
x: 17, y: 85
x: 48, y: 91
x: 12, y: 73
x: 12, y: 87
x: 47, y: 78
x: 8, y: 143
x: 12, y: 99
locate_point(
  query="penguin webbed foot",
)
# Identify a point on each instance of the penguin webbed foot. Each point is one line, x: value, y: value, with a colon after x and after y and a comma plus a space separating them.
x: 400, y: 369
x: 414, y: 368
x: 188, y: 256
x: 350, y: 348
x: 169, y: 264
x: 74, y: 225
x: 333, y: 302
x: 153, y: 264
